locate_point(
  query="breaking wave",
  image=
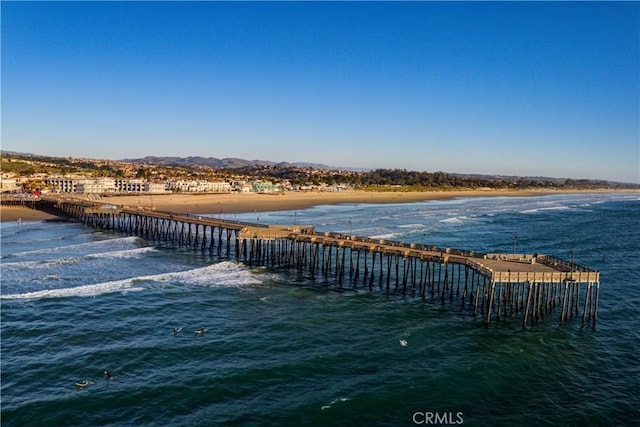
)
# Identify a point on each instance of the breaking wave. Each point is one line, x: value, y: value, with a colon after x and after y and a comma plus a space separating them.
x: 224, y: 274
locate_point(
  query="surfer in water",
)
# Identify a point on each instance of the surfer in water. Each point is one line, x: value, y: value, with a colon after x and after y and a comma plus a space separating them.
x: 175, y: 331
x: 107, y: 375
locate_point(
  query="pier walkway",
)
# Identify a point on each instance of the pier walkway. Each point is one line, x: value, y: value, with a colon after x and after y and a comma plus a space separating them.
x: 494, y: 285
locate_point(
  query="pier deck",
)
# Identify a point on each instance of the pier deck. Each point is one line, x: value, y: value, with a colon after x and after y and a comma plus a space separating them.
x: 498, y: 284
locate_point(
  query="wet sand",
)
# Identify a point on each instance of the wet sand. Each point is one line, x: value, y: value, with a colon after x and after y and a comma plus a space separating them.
x: 13, y: 213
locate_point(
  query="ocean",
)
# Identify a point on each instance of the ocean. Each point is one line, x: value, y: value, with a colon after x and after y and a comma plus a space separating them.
x: 283, y: 349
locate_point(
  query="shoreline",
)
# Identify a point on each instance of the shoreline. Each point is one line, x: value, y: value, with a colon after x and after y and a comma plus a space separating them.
x: 265, y: 202
x: 15, y: 213
x: 234, y: 203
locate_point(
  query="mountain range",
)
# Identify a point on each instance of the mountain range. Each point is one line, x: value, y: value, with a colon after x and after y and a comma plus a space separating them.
x: 237, y: 163
x: 229, y: 163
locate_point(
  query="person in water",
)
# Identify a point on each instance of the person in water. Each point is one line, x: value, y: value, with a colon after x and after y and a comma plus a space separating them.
x: 175, y: 331
x: 107, y: 375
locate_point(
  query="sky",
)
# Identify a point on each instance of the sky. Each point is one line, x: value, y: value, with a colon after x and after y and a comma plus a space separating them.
x: 509, y: 88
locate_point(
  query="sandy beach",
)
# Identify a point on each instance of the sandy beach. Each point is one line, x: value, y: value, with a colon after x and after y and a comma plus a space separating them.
x: 220, y: 204
x: 253, y: 202
x: 13, y: 213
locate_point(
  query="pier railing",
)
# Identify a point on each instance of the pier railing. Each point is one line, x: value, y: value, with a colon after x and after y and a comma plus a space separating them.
x: 488, y: 284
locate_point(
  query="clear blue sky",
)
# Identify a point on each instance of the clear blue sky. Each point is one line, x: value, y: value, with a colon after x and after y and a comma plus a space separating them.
x: 542, y: 88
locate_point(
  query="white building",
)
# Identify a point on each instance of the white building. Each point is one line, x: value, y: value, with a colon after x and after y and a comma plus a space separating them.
x: 242, y: 186
x: 199, y: 186
x: 156, y: 187
x: 62, y: 184
x: 103, y: 186
x: 80, y: 185
x: 96, y: 186
x: 139, y: 186
x: 130, y: 185
x: 8, y: 185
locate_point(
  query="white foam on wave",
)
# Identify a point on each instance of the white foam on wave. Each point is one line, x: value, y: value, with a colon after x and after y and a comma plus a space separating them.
x: 412, y: 226
x: 79, y: 291
x: 369, y: 231
x: 224, y: 274
x: 19, y: 265
x: 127, y: 253
x: 454, y: 220
x: 549, y: 208
x: 87, y: 246
x: 52, y: 263
x: 388, y: 236
x: 334, y: 401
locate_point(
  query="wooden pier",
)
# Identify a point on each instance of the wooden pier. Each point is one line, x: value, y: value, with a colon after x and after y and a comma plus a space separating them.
x: 494, y: 286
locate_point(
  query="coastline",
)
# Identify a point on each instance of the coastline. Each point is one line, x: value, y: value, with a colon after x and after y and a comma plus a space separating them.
x: 251, y: 202
x: 220, y: 204
x: 14, y: 213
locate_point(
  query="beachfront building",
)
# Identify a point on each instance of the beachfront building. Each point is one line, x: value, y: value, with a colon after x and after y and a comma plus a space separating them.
x: 199, y: 186
x: 264, y: 187
x: 63, y: 184
x: 103, y: 186
x: 130, y: 185
x: 156, y: 187
x: 96, y: 186
x: 139, y: 186
x: 242, y: 186
x: 8, y: 185
x: 75, y: 185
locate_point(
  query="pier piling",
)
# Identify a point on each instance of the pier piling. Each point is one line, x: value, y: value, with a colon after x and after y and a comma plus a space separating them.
x: 504, y: 285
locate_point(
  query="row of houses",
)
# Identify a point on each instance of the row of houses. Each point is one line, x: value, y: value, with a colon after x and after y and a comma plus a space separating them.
x: 83, y: 185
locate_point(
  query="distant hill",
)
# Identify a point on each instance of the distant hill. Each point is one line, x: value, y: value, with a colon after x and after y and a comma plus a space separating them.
x: 511, y: 178
x: 547, y: 179
x: 366, y: 176
x: 227, y: 163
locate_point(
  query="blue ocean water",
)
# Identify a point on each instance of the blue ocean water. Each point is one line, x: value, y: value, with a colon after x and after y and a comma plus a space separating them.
x: 284, y: 350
